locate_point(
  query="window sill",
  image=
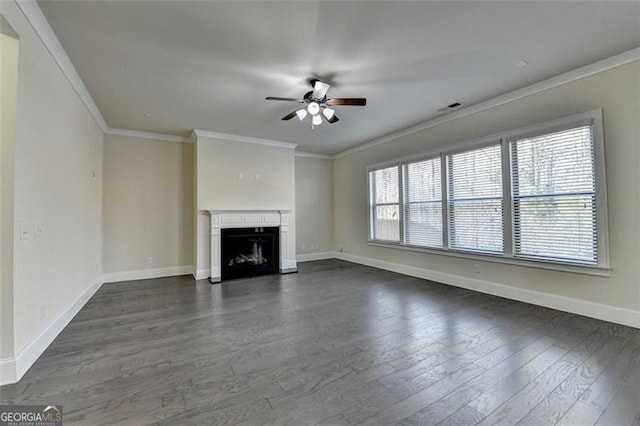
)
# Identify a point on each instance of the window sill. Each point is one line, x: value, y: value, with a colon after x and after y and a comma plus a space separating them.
x: 578, y: 269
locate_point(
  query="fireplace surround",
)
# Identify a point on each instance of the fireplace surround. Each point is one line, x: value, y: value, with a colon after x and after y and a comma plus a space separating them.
x: 256, y: 219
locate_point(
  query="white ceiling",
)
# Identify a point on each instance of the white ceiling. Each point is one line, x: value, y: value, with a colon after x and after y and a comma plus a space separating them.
x: 209, y: 65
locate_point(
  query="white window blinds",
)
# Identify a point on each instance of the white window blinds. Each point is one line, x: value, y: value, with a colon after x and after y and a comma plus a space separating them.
x: 423, y: 203
x: 385, y: 207
x: 535, y: 195
x: 554, y: 199
x: 475, y: 200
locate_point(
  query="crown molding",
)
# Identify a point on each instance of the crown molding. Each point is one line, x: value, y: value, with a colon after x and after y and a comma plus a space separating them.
x: 313, y: 155
x: 550, y: 83
x: 146, y: 135
x: 41, y: 26
x: 246, y: 139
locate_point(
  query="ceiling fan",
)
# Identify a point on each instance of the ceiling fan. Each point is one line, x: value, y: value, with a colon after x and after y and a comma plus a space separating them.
x: 317, y: 104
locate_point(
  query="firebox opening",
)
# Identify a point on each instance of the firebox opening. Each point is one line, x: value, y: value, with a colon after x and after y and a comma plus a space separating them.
x: 247, y: 252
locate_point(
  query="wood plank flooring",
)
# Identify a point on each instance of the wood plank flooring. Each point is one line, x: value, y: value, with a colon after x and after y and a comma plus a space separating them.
x: 335, y: 344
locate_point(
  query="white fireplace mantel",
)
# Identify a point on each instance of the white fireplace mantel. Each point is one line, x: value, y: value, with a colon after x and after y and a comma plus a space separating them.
x: 251, y: 219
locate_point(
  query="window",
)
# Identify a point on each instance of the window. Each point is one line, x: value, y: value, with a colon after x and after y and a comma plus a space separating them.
x: 475, y: 200
x: 423, y: 203
x: 385, y: 208
x: 554, y: 196
x: 529, y: 195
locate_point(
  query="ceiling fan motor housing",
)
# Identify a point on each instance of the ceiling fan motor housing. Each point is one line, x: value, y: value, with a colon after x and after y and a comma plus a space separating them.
x: 308, y: 97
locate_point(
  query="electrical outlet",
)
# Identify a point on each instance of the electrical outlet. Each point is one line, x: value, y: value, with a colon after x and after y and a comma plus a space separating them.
x: 38, y: 230
x: 341, y: 248
x: 149, y: 260
x: 476, y: 268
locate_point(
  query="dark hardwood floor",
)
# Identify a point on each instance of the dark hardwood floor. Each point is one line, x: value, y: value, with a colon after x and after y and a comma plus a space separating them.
x: 335, y: 344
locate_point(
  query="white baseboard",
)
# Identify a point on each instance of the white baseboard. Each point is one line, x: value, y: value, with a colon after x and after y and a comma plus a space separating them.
x: 12, y: 369
x: 144, y: 274
x: 202, y: 274
x: 8, y: 371
x: 576, y: 306
x: 310, y: 257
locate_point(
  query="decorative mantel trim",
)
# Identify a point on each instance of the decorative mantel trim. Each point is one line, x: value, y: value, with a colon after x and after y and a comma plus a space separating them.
x: 251, y: 219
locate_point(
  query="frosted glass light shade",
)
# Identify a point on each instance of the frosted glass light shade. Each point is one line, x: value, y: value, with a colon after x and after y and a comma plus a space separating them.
x: 313, y: 108
x: 302, y: 113
x: 316, y: 120
x: 328, y: 112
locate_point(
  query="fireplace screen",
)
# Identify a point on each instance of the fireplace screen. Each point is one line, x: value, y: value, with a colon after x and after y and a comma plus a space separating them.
x: 249, y: 251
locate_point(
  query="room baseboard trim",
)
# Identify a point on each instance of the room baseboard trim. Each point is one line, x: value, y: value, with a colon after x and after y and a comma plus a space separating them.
x: 202, y: 274
x: 310, y: 257
x: 599, y: 311
x: 8, y: 371
x: 30, y: 354
x: 145, y: 274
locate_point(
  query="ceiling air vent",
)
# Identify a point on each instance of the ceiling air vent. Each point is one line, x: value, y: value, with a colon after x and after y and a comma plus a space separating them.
x: 451, y: 106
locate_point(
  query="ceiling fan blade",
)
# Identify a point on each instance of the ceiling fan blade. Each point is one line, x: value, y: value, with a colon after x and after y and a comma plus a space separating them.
x: 347, y: 101
x: 320, y: 89
x: 289, y: 116
x: 276, y: 98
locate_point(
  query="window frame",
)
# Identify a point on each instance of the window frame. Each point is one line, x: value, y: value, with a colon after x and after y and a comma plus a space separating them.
x: 403, y: 169
x: 372, y: 203
x: 450, y: 202
x: 594, y: 118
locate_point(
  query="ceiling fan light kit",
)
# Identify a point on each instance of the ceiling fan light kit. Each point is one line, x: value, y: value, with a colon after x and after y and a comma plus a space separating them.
x: 317, y: 104
x: 328, y: 112
x: 302, y: 113
x: 313, y: 108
